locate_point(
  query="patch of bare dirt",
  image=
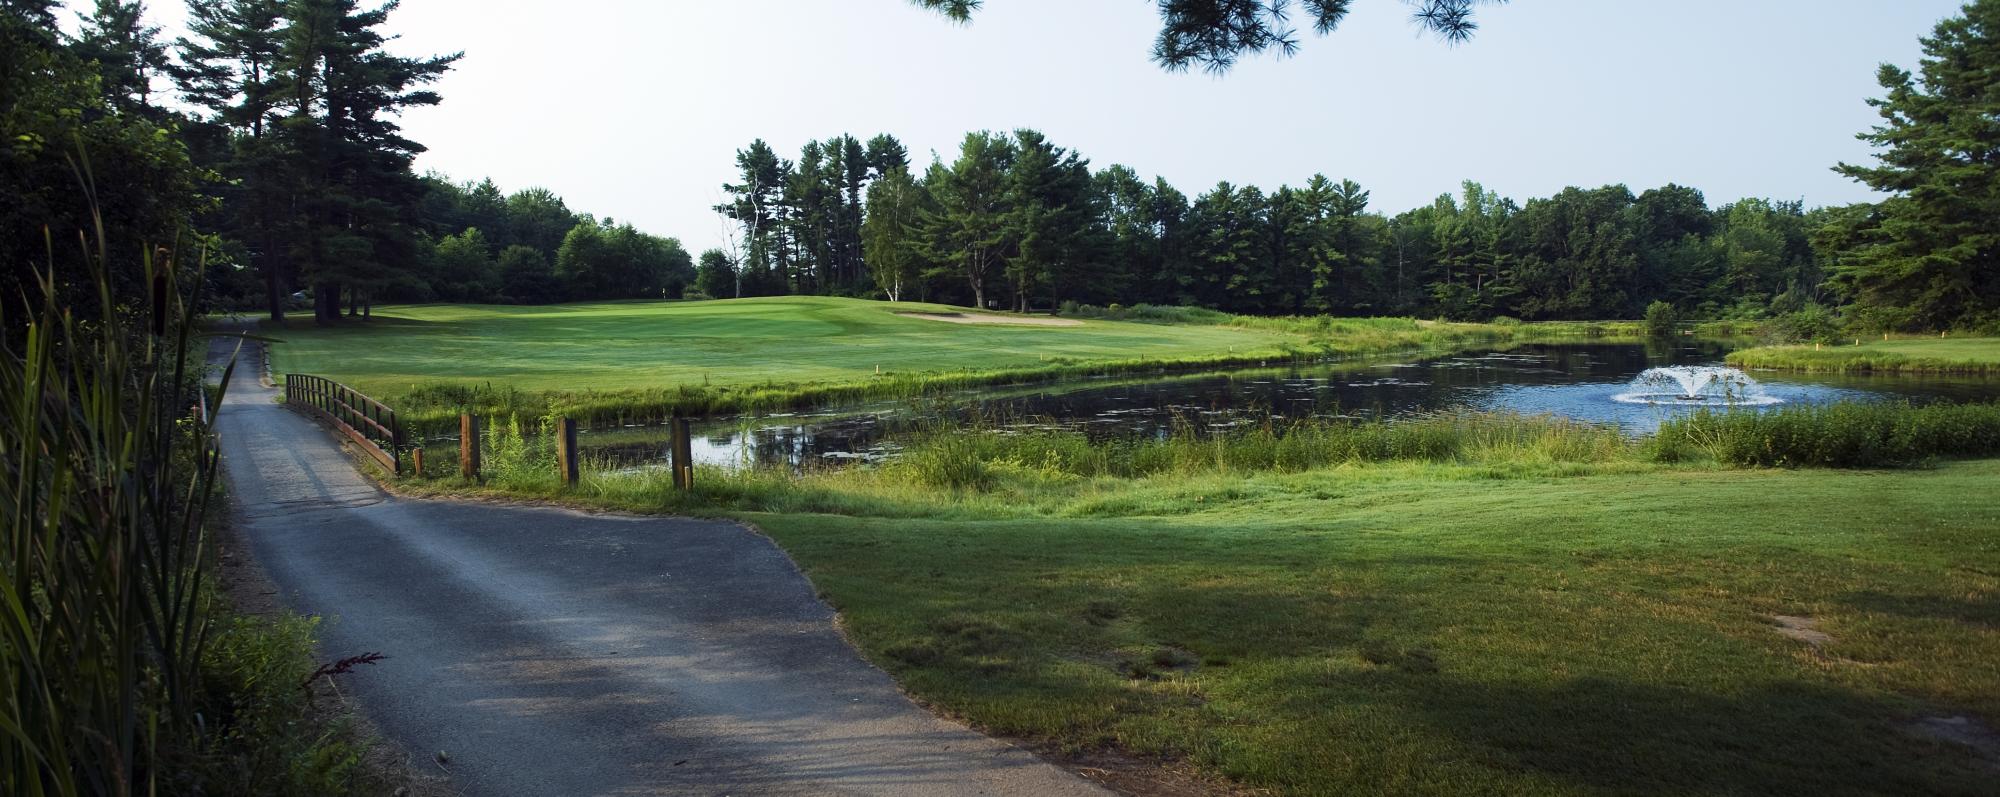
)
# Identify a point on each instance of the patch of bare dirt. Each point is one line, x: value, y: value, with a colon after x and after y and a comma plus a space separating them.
x: 1802, y: 629
x: 1963, y: 730
x: 982, y: 318
x: 1129, y: 774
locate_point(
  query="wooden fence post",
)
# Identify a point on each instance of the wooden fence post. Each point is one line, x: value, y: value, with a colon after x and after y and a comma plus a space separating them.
x: 417, y: 462
x: 566, y: 465
x: 468, y: 445
x: 683, y: 456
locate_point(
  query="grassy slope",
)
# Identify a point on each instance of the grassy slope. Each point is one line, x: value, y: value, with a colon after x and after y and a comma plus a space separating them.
x: 1916, y: 355
x: 1429, y: 629
x: 736, y: 342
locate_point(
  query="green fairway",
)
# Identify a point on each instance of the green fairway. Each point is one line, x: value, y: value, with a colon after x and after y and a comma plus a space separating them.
x: 633, y: 345
x: 1913, y: 355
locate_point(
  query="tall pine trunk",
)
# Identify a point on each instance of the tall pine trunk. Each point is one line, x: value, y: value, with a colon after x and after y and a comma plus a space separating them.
x: 274, y: 293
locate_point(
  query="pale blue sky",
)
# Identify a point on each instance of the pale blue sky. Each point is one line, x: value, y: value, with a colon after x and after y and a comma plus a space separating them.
x: 633, y: 109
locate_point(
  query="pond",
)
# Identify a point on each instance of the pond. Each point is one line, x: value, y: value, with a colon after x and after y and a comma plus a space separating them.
x: 1581, y: 381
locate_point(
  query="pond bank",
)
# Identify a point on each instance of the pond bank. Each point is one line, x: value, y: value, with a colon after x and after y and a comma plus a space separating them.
x: 1968, y: 356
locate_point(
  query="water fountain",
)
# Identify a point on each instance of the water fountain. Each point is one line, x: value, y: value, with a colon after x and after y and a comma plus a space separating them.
x: 1696, y: 385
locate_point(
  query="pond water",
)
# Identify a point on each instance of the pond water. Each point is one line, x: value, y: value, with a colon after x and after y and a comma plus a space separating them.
x: 1581, y: 381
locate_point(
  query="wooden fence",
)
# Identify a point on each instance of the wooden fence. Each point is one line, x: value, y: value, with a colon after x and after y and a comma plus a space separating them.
x: 369, y: 423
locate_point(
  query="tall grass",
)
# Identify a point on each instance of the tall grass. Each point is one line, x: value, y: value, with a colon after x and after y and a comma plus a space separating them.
x: 122, y: 670
x: 988, y: 471
x: 1841, y: 435
x: 975, y: 460
x: 105, y: 610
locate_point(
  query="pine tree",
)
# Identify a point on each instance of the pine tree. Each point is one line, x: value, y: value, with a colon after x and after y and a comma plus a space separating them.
x: 754, y: 204
x: 1052, y: 218
x: 970, y: 228
x: 350, y: 164
x: 128, y: 54
x: 1932, y: 258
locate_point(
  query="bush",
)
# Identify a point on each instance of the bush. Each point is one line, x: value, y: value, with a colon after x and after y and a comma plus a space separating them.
x: 1811, y: 323
x: 1661, y: 318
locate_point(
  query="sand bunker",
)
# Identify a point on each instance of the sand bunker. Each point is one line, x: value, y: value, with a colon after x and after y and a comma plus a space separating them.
x: 982, y: 318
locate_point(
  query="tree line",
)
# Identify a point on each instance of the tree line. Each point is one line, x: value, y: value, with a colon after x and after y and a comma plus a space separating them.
x: 282, y: 160
x: 285, y: 162
x: 1016, y: 221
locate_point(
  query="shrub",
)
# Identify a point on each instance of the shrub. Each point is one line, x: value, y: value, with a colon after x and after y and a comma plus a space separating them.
x: 1661, y: 319
x: 1811, y: 323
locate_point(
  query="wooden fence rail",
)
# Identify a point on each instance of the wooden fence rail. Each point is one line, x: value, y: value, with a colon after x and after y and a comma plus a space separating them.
x: 369, y: 423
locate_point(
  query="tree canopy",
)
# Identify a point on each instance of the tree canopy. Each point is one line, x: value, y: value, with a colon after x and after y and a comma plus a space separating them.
x: 1212, y: 34
x: 1928, y: 256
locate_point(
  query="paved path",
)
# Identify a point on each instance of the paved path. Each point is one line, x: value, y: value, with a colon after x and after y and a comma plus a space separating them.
x: 561, y: 653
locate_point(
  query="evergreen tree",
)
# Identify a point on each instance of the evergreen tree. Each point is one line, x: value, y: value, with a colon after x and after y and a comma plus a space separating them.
x: 754, y: 203
x: 1052, y: 218
x: 128, y: 54
x: 885, y: 154
x: 349, y: 162
x: 970, y: 229
x: 1932, y: 257
x: 1212, y: 33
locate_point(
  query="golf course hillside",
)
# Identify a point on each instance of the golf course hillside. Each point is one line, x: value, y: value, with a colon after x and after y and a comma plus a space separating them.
x: 624, y: 345
x: 644, y: 359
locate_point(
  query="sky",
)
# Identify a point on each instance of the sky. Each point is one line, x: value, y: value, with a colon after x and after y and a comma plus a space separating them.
x: 633, y: 109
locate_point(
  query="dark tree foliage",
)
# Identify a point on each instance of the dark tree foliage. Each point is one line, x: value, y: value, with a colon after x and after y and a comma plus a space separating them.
x: 1022, y: 218
x: 1929, y: 255
x: 66, y: 139
x: 1213, y: 33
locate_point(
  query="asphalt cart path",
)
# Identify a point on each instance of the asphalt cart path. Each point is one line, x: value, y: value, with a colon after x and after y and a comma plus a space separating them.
x: 548, y: 651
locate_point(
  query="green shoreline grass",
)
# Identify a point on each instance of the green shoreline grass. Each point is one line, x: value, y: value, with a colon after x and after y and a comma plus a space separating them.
x: 1971, y: 356
x: 621, y: 362
x: 1464, y: 604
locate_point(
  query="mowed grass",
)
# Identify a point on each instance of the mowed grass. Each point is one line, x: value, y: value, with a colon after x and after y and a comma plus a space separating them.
x: 636, y: 345
x: 1914, y: 355
x: 1447, y: 629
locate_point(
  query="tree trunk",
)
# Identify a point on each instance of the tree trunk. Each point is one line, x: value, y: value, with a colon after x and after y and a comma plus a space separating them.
x: 977, y: 275
x: 274, y: 292
x: 326, y: 303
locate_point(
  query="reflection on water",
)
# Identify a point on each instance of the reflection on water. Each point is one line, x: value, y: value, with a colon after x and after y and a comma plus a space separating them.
x: 1573, y: 380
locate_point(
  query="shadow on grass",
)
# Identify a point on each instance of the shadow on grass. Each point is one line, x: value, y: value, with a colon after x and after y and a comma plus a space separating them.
x: 1984, y: 613
x: 1602, y: 735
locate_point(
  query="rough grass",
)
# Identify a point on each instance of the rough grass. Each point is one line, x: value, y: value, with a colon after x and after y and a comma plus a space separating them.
x: 1485, y: 622
x: 1911, y: 356
x: 1464, y: 604
x: 1432, y: 629
x: 623, y: 361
